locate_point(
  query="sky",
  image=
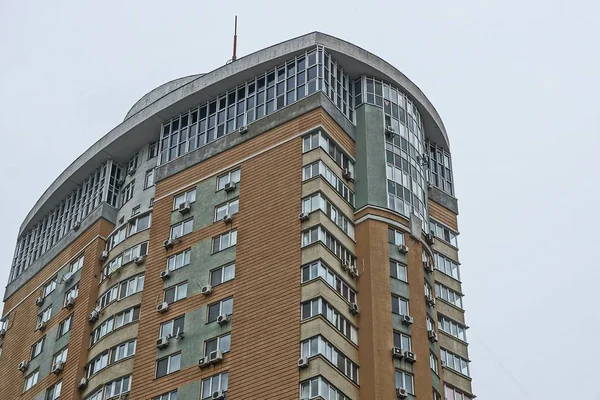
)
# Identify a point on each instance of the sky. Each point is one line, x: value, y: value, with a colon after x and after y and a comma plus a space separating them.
x: 515, y: 83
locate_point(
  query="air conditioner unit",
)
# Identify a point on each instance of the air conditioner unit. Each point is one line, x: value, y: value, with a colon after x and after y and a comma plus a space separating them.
x: 120, y: 182
x: 229, y: 187
x: 303, y: 362
x: 430, y: 300
x: 401, y: 393
x: 58, y: 367
x: 397, y: 352
x: 227, y: 218
x: 164, y: 275
x: 162, y: 342
x: 104, y: 255
x: 131, y: 171
x: 430, y: 238
x: 402, y: 248
x: 407, y: 320
x: 243, y: 129
x: 169, y: 243
x: 204, y: 362
x: 70, y: 302
x: 139, y: 260
x: 354, y: 309
x: 218, y: 395
x: 347, y: 175
x: 93, y: 317
x: 206, y: 290
x: 76, y: 226
x: 390, y: 132
x: 353, y: 271
x: 162, y: 307
x: 303, y: 216
x: 39, y: 301
x: 2, y: 332
x: 215, y: 357
x: 345, y: 264
x: 432, y: 335
x: 67, y: 277
x: 410, y: 356
x: 82, y: 384
x: 428, y: 267
x: 223, y: 319
x: 41, y: 326
x: 185, y: 207
x: 23, y: 365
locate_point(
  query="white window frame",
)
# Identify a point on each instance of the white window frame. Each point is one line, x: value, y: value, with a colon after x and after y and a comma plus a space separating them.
x: 231, y: 241
x: 181, y: 198
x: 221, y: 304
x: 222, y: 377
x: 76, y: 265
x: 149, y: 178
x: 179, y: 230
x: 60, y: 356
x: 231, y: 176
x: 37, y: 348
x: 230, y: 208
x: 401, y: 302
x: 401, y: 270
x: 178, y: 289
x: 170, y: 367
x: 226, y: 272
x: 31, y: 380
x: 49, y: 287
x: 179, y: 260
x: 405, y: 377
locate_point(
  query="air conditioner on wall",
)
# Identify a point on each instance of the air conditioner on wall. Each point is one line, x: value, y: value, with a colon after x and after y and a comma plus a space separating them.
x: 354, y: 309
x: 243, y: 129
x: 430, y: 300
x: 204, y: 362
x: 223, y: 319
x: 432, y: 335
x: 303, y: 362
x: 347, y: 175
x: 218, y: 395
x: 410, y: 356
x: 82, y: 384
x: 93, y: 317
x: 41, y: 326
x: 162, y: 342
x: 39, y: 301
x: 162, y: 307
x: 401, y: 393
x: 303, y: 216
x: 402, y: 248
x: 164, y: 275
x: 23, y: 365
x: 185, y: 207
x: 169, y: 243
x: 104, y: 255
x: 215, y: 357
x: 397, y: 352
x: 206, y: 290
x: 229, y: 187
x: 407, y: 320
x: 58, y: 367
x: 139, y: 260
x: 227, y: 218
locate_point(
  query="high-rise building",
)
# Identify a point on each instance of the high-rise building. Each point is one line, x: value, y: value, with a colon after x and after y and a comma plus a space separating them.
x: 283, y: 227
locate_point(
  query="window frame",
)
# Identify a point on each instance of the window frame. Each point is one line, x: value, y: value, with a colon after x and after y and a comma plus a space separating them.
x: 176, y: 288
x: 169, y: 360
x: 221, y: 271
x: 229, y: 176
x: 221, y: 304
x: 229, y: 234
x: 183, y: 197
x: 34, y: 352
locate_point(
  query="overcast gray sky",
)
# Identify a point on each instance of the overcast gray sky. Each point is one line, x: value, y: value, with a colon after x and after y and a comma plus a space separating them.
x: 516, y: 83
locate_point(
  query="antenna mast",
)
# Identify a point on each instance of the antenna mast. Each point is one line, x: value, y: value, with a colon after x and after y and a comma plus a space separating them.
x: 233, y: 58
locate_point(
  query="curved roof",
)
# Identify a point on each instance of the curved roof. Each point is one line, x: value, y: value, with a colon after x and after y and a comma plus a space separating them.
x: 159, y: 92
x: 142, y: 121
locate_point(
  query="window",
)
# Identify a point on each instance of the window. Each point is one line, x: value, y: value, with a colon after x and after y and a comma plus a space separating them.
x: 139, y: 224
x: 440, y: 168
x: 319, y: 168
x: 318, y: 233
x: 430, y: 324
x: 189, y: 196
x: 222, y: 343
x: 114, y: 265
x: 131, y: 286
x: 179, y: 260
x: 127, y: 192
x: 232, y: 176
x: 117, y: 237
x: 443, y: 233
x: 214, y: 384
x: 37, y: 348
x: 167, y: 396
x: 319, y: 388
x: 175, y: 293
x: 64, y: 326
x: 452, y: 327
x: 224, y: 241
x: 399, y: 305
x: 433, y: 363
x: 116, y: 321
x: 449, y: 295
x: 318, y: 345
x: 53, y: 393
x: 152, y: 150
x: 135, y: 210
x: 173, y: 327
x: 398, y: 270
x: 122, y: 351
x: 117, y: 387
x: 76, y: 265
x: 319, y: 306
x: 222, y: 274
x: 395, y: 237
x: 320, y: 202
x: 455, y: 362
x: 447, y: 266
x: 71, y: 294
x: 97, y: 364
x: 149, y: 179
x: 229, y: 208
x: 31, y: 380
x: 168, y: 365
x: 182, y: 228
x: 320, y: 139
x: 401, y: 340
x: 60, y: 356
x: 428, y: 290
x: 108, y: 297
x: 132, y: 164
x: 436, y: 395
x: 321, y: 270
x: 223, y: 307
x: 49, y: 287
x: 45, y: 315
x: 455, y: 394
x: 404, y: 380
x: 151, y: 202
x: 132, y: 253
